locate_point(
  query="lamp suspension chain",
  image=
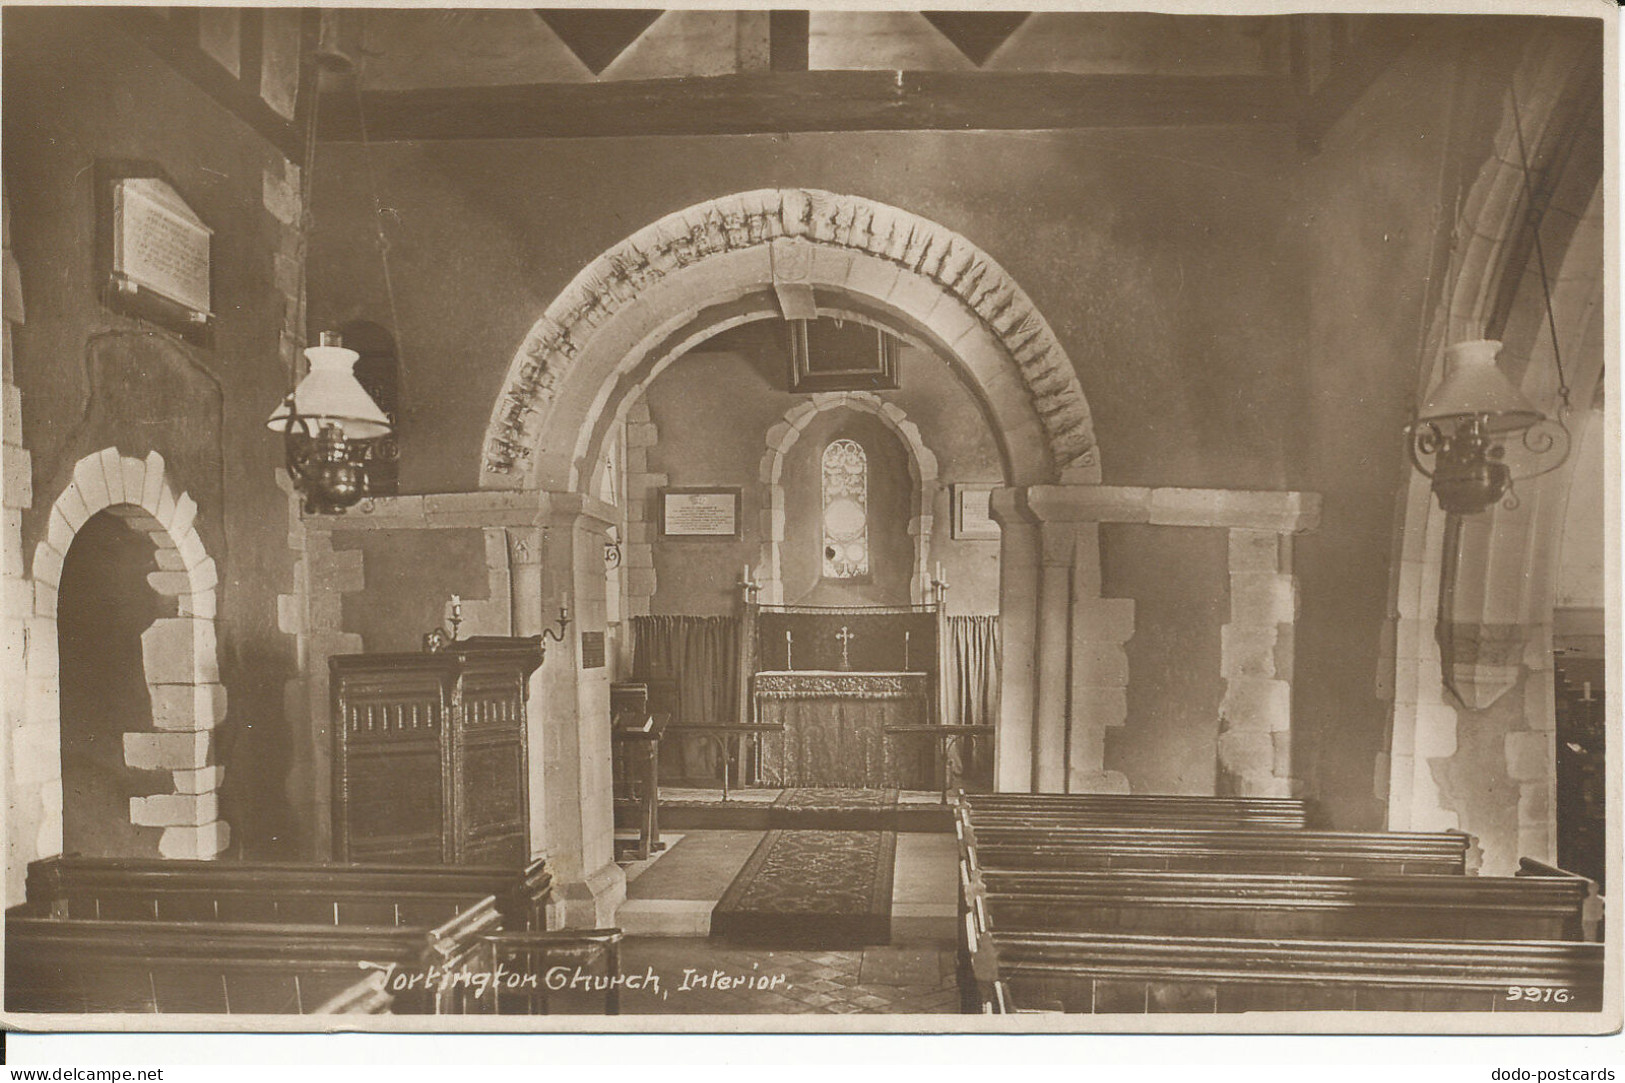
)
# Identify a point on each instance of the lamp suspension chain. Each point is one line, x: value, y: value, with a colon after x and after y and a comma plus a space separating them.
x: 1536, y: 217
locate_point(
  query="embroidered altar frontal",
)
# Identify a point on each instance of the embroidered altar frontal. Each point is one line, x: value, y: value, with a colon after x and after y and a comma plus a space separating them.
x: 835, y: 727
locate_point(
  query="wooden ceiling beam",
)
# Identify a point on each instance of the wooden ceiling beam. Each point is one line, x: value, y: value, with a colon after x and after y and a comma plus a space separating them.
x: 837, y: 101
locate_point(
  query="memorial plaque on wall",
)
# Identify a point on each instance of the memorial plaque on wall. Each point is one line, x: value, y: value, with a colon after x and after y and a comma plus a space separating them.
x: 592, y: 650
x: 155, y: 251
x: 699, y: 513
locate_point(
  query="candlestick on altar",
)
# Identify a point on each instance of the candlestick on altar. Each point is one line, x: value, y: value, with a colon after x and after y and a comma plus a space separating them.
x: 787, y: 664
x: 905, y: 652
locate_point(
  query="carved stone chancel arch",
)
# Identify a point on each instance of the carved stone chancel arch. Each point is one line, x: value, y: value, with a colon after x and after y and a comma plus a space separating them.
x: 575, y: 366
x: 178, y: 653
x: 922, y: 469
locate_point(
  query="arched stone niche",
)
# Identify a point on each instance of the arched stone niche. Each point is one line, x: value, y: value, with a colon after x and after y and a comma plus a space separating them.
x: 178, y: 653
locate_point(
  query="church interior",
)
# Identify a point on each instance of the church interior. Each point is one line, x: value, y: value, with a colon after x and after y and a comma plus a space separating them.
x: 696, y: 511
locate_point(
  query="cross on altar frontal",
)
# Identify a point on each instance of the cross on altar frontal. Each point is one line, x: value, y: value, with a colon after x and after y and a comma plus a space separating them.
x: 845, y: 637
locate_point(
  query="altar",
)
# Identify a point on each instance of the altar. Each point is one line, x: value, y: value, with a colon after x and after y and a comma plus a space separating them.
x: 835, y: 724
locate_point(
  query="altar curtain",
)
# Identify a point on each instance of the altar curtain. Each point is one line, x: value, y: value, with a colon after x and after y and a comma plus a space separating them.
x: 972, y: 677
x: 701, y: 654
x: 971, y: 686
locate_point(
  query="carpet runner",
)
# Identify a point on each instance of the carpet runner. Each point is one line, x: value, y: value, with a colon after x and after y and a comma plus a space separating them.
x: 821, y: 889
x: 807, y: 808
x: 834, y: 809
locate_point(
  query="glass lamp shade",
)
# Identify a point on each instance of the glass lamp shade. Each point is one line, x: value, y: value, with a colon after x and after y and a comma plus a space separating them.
x: 330, y: 395
x: 1474, y: 386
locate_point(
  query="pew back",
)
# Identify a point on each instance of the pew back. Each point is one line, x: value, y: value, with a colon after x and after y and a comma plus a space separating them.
x: 1242, y: 850
x: 1227, y: 904
x: 1104, y: 973
x: 122, y: 889
x: 1133, y: 810
x: 194, y: 957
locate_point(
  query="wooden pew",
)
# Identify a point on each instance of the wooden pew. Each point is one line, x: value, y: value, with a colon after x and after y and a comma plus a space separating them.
x: 125, y: 889
x: 1133, y: 810
x: 1252, y: 905
x: 1259, y: 850
x: 194, y: 957
x: 1112, y: 973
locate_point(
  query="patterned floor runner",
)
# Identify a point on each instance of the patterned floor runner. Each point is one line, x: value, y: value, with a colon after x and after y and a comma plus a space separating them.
x: 834, y: 809
x: 824, y: 890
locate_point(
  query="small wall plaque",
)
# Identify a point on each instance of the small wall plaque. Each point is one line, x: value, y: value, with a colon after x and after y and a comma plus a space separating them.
x: 972, y: 518
x: 592, y: 650
x: 699, y: 513
x: 156, y: 250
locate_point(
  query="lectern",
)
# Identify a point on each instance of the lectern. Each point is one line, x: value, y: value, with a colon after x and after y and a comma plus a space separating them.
x: 429, y: 753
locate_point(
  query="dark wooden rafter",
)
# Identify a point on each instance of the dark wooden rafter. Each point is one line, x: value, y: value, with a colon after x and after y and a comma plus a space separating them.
x: 835, y: 101
x: 175, y: 41
x: 788, y: 33
x: 977, y: 34
x: 598, y: 36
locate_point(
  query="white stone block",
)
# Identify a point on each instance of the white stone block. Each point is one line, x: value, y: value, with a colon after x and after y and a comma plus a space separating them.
x: 190, y: 546
x: 1099, y: 664
x: 169, y: 650
x: 170, y: 583
x: 19, y: 476
x: 1435, y: 731
x: 1254, y: 704
x: 1097, y: 708
x: 113, y: 470
x: 1097, y: 782
x: 47, y: 564
x: 1255, y: 551
x: 1282, y: 512
x: 91, y: 481
x: 1247, y: 650
x: 36, y: 754
x: 1108, y: 620
x: 195, y: 843
x: 152, y: 483
x: 1247, y: 754
x: 1531, y: 756
x: 43, y: 646
x: 174, y: 810
x: 1262, y: 599
x: 187, y: 706
x: 1090, y: 503
x: 48, y: 839
x: 199, y: 780
x: 44, y: 599
x: 167, y: 751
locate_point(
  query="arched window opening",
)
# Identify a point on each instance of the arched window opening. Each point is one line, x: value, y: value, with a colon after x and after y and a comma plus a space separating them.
x: 846, y: 510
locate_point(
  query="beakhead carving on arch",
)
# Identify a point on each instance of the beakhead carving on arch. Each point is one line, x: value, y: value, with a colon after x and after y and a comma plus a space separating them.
x: 749, y: 220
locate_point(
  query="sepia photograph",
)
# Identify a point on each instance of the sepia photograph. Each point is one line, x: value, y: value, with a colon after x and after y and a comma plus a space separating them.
x: 1098, y: 518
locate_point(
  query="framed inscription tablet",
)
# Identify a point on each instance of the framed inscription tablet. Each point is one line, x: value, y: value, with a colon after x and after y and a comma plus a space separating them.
x: 155, y: 250
x: 699, y: 513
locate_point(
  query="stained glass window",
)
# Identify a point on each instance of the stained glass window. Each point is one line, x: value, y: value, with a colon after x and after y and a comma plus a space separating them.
x: 846, y: 510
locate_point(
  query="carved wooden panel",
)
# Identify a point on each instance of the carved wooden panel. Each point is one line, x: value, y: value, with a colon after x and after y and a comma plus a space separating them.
x: 430, y: 754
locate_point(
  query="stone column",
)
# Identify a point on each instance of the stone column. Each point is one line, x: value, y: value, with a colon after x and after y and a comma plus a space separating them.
x: 569, y: 723
x: 1019, y: 563
x: 1255, y: 716
x: 1088, y: 667
x: 1057, y: 542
